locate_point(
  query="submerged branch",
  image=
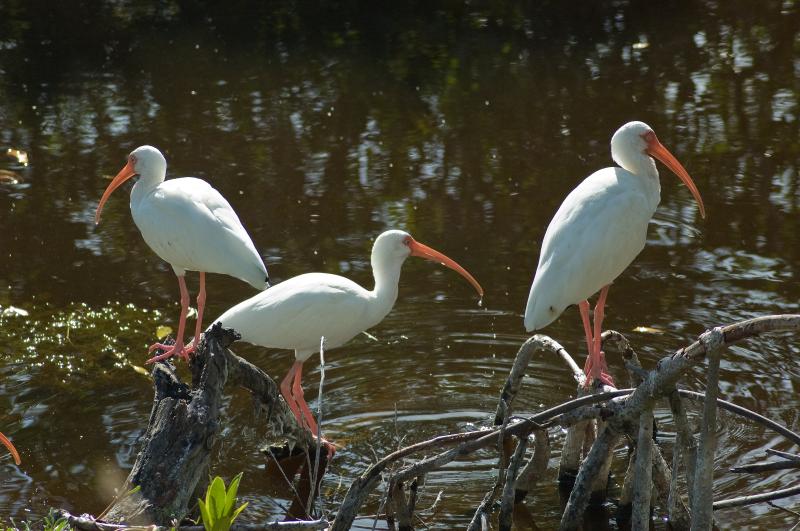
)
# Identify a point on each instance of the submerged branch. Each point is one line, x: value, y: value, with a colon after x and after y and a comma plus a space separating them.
x: 757, y: 498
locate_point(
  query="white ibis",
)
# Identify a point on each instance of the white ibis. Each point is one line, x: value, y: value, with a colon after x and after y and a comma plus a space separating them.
x: 192, y: 227
x: 597, y: 232
x: 297, y: 312
x: 14, y: 453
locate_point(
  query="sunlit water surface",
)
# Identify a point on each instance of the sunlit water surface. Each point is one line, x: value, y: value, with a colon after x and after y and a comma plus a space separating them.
x: 466, y: 128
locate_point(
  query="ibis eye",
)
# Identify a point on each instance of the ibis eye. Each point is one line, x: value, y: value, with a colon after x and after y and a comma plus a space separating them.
x: 407, y: 240
x: 649, y: 137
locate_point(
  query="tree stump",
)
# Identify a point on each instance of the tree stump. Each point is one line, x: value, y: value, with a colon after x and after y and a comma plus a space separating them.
x: 172, y: 468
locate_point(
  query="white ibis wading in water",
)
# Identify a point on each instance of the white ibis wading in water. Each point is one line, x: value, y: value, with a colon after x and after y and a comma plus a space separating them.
x: 7, y: 444
x: 192, y: 227
x: 296, y: 313
x: 597, y: 232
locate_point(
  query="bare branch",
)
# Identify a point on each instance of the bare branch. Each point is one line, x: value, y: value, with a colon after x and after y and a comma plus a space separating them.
x: 750, y: 414
x: 765, y: 467
x: 507, y: 499
x: 642, y: 479
x: 658, y: 383
x: 536, y: 467
x: 581, y: 491
x: 617, y: 341
x: 702, y: 514
x: 526, y: 351
x: 318, y: 443
x: 663, y: 477
x: 756, y: 498
x: 686, y: 445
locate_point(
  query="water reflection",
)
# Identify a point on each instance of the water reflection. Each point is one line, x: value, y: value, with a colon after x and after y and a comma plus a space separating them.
x: 323, y: 126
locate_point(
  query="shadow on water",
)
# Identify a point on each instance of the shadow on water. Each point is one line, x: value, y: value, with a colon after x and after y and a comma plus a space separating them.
x: 325, y: 125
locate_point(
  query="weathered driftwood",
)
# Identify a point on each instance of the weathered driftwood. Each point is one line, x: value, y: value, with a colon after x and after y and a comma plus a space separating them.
x: 508, y: 498
x: 679, y: 518
x: 535, y: 468
x: 188, y: 417
x: 622, y: 410
x: 401, y: 507
x: 664, y: 483
x: 486, y: 506
x: 643, y: 472
x: 467, y: 443
x: 173, y: 465
x: 702, y: 513
x: 658, y: 384
x: 685, y: 446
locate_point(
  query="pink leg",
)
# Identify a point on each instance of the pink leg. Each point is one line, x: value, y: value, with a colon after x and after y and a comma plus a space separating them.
x: 286, y: 391
x: 587, y: 329
x: 201, y: 304
x: 599, y: 367
x: 297, y: 392
x: 294, y: 397
x: 177, y: 348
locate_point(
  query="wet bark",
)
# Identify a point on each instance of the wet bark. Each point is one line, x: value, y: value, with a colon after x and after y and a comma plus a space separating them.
x: 173, y: 465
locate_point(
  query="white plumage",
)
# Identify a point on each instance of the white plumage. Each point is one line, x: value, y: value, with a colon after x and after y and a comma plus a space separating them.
x: 298, y: 312
x: 597, y: 232
x: 192, y: 227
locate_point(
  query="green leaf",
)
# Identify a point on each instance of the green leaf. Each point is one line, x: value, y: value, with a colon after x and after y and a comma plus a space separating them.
x: 204, y: 516
x: 216, y: 497
x: 230, y: 497
x: 217, y: 511
x: 237, y: 511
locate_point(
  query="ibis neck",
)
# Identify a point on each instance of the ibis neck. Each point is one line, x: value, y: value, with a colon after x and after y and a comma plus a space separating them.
x: 147, y: 182
x: 642, y: 165
x: 387, y: 280
x: 644, y: 168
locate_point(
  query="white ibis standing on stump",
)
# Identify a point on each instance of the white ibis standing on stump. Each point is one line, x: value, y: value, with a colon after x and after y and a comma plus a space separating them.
x: 296, y: 313
x: 7, y: 444
x: 597, y: 232
x: 192, y: 227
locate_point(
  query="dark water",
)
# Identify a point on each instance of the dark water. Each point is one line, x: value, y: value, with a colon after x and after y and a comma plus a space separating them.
x: 464, y: 125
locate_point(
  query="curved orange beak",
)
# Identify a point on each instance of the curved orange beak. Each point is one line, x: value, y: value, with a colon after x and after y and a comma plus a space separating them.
x: 656, y: 149
x: 11, y: 449
x: 124, y: 174
x: 423, y: 251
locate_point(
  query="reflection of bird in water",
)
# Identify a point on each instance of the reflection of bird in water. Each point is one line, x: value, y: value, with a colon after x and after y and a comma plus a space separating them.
x: 296, y: 313
x: 7, y: 444
x: 192, y: 227
x: 597, y: 232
